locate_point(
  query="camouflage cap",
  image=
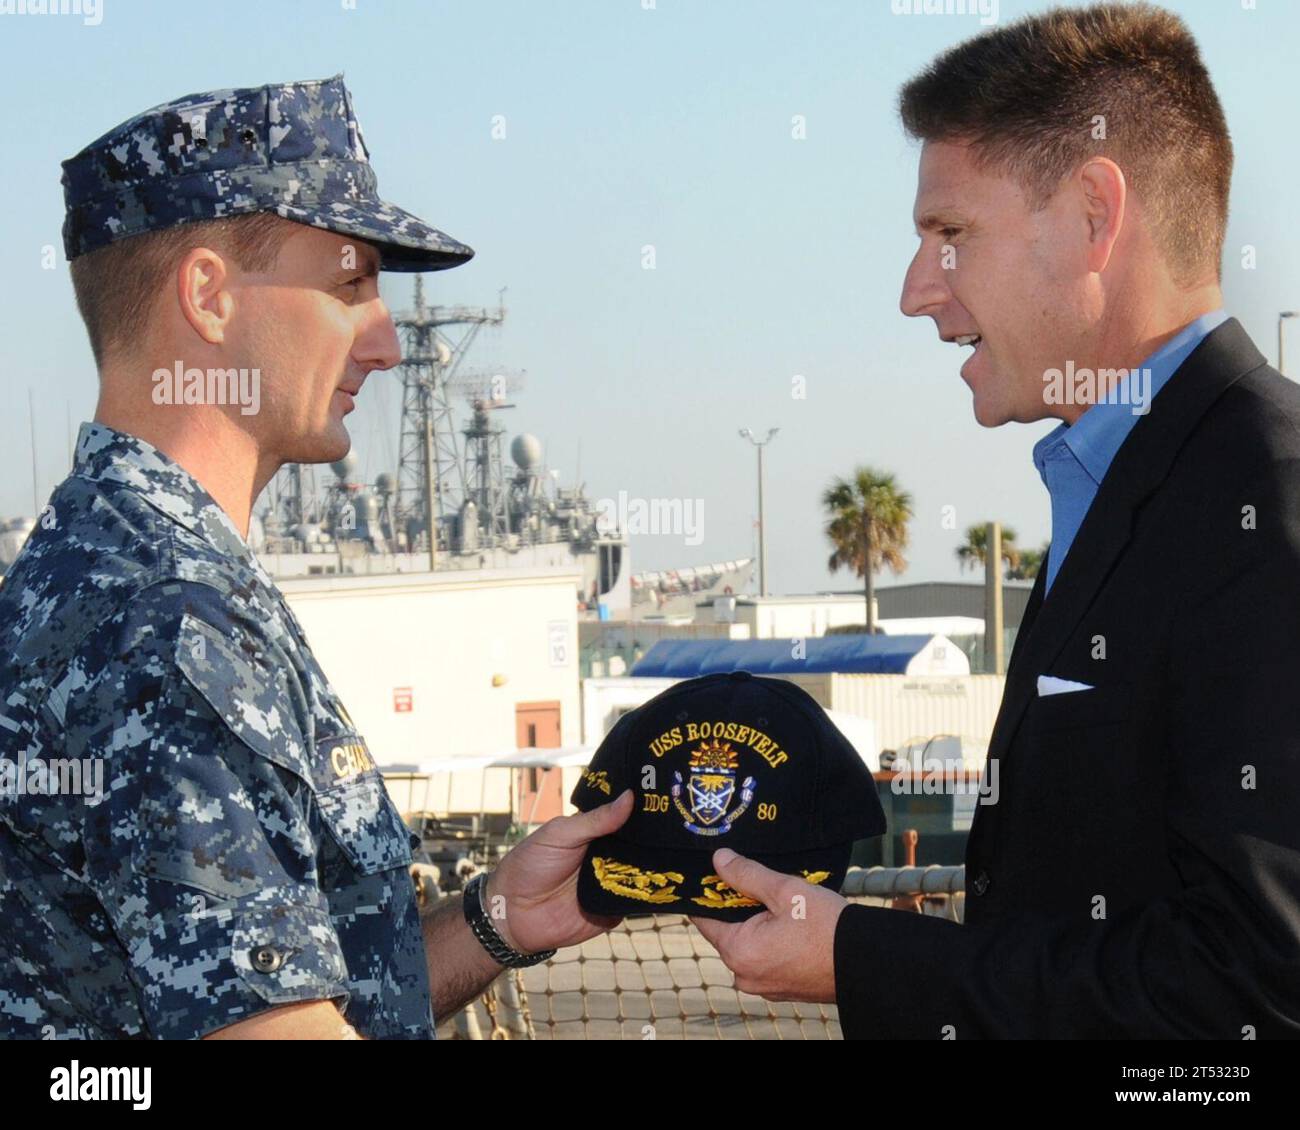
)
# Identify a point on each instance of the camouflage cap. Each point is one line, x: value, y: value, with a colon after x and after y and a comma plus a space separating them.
x: 295, y: 149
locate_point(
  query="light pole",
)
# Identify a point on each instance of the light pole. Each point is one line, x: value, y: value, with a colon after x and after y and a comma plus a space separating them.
x: 762, y: 523
x: 1281, y: 321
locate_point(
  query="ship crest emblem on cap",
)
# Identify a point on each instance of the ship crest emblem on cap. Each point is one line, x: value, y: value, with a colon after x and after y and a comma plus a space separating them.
x: 711, y: 787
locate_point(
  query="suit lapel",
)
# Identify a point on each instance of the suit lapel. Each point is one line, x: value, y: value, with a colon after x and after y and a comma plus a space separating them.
x: 1032, y: 605
x: 1140, y: 466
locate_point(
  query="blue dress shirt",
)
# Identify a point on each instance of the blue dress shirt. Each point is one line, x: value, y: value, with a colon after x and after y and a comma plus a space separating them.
x: 1073, y: 459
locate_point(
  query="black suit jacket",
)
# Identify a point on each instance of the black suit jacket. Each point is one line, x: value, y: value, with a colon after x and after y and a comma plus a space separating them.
x: 1139, y: 873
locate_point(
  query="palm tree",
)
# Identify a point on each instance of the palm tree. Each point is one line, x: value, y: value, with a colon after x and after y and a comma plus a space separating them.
x: 1031, y: 560
x: 975, y: 550
x: 867, y: 525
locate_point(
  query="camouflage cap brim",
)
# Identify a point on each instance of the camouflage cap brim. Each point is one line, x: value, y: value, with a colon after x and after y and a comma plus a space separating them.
x: 405, y: 243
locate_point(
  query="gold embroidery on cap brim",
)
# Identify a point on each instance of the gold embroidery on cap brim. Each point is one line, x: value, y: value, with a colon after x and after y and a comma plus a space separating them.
x: 631, y: 882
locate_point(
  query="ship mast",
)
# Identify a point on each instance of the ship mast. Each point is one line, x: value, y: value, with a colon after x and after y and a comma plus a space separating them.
x: 430, y: 477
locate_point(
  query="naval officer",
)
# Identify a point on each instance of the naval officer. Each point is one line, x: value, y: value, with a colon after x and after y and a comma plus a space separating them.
x: 239, y: 870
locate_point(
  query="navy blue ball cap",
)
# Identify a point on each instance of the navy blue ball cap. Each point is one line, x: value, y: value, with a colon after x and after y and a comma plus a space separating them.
x: 295, y: 149
x: 728, y: 760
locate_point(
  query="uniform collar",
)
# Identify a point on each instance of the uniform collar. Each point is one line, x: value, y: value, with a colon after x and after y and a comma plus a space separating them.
x: 106, y: 455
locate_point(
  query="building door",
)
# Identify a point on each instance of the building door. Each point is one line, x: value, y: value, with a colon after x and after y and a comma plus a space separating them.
x: 539, y: 792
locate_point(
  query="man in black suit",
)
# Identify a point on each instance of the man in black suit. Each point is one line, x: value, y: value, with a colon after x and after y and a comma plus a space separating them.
x: 1137, y: 870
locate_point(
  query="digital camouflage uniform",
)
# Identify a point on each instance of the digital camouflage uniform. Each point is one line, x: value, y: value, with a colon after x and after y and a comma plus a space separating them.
x: 243, y: 852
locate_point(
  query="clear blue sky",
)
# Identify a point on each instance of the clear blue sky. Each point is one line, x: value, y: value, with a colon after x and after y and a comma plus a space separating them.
x: 628, y: 127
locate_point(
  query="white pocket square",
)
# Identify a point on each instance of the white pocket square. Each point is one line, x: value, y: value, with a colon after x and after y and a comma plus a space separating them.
x: 1050, y: 684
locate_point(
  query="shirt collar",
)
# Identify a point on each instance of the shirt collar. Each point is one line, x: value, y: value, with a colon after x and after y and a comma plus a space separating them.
x: 107, y: 455
x: 1098, y: 434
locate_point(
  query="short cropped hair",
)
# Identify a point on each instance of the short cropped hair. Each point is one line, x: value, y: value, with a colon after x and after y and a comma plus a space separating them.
x: 117, y: 285
x: 1036, y: 99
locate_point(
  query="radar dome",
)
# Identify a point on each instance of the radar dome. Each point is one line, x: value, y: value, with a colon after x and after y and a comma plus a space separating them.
x: 526, y: 451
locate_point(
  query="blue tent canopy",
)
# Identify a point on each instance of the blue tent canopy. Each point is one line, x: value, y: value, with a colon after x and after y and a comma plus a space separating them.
x: 848, y: 654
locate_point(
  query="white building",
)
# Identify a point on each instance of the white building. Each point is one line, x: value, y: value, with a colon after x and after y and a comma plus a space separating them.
x: 815, y: 614
x: 875, y: 712
x: 908, y: 690
x: 438, y: 666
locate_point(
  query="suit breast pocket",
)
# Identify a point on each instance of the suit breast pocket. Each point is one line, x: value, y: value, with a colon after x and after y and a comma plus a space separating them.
x: 1072, y: 710
x: 1082, y: 754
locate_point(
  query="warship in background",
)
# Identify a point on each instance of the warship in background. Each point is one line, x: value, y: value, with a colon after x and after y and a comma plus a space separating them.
x: 454, y: 480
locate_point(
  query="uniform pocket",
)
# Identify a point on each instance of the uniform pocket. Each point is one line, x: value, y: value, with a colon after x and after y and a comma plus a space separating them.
x: 287, y: 950
x: 258, y: 704
x: 249, y: 693
x: 366, y: 824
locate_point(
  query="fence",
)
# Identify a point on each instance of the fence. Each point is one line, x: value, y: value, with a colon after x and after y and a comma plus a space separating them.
x: 657, y: 978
